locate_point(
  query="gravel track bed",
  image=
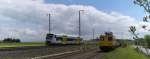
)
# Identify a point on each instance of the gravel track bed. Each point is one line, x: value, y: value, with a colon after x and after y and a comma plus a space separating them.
x: 34, y: 52
x: 89, y: 54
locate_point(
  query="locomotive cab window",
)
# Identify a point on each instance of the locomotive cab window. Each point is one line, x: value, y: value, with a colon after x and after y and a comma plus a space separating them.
x: 102, y: 38
x: 110, y: 38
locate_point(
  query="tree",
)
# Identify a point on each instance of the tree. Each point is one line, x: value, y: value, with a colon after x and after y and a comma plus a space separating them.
x: 132, y: 30
x: 147, y: 38
x: 146, y: 5
x: 7, y: 40
x: 143, y: 3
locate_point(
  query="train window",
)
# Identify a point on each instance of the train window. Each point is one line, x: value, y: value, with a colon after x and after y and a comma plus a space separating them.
x: 59, y: 38
x: 71, y: 39
x: 49, y: 35
x: 110, y: 38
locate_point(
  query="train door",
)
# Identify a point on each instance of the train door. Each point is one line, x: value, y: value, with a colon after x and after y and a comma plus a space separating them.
x: 64, y: 40
x: 78, y: 40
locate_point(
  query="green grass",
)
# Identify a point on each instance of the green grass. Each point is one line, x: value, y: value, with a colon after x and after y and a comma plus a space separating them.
x: 6, y: 45
x: 124, y: 53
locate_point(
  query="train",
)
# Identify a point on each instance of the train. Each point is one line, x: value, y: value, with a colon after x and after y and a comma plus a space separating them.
x: 53, y: 39
x: 108, y: 42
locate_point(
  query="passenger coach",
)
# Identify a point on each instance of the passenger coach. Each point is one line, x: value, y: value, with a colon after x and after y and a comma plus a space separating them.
x: 52, y: 39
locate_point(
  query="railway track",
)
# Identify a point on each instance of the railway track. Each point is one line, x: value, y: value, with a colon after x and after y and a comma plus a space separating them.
x: 29, y: 47
x: 32, y: 52
x: 21, y: 48
x: 78, y: 54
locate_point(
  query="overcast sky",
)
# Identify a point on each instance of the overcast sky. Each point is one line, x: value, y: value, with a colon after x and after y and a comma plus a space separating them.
x: 28, y: 20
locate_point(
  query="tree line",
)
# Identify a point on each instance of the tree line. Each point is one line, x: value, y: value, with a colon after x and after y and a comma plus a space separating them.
x: 10, y: 40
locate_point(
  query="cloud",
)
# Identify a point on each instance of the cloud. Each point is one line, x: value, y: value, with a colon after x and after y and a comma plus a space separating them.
x: 28, y: 20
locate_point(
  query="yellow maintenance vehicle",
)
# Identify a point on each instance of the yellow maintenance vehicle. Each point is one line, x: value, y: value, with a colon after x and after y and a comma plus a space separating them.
x: 107, y: 41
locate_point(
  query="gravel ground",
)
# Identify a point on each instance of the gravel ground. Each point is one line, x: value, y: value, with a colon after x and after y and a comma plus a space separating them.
x: 29, y: 53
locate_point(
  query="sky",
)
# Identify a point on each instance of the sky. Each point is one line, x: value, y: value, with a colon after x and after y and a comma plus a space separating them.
x: 126, y: 7
x: 28, y: 20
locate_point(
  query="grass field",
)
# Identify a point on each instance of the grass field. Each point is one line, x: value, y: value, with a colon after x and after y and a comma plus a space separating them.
x: 124, y: 53
x: 5, y: 45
